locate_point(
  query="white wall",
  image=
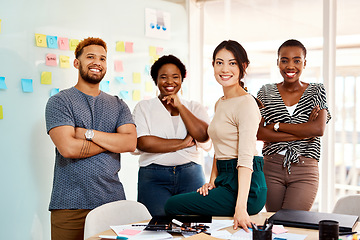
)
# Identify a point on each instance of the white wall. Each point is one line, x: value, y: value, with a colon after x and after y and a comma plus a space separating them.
x: 27, y: 153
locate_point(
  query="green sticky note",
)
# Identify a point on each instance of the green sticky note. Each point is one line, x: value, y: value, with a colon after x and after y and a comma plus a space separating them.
x: 1, y: 112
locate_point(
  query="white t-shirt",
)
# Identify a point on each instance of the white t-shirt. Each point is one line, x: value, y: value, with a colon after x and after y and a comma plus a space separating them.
x: 152, y: 119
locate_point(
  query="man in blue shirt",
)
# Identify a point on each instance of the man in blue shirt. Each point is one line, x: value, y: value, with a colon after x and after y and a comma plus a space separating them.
x: 90, y: 129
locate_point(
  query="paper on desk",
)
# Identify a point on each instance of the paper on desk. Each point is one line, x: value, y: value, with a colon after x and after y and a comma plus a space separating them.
x: 219, y: 224
x: 137, y: 233
x: 223, y: 234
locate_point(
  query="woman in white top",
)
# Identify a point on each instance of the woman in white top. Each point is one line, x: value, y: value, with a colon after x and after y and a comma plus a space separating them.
x: 237, y: 184
x: 170, y: 131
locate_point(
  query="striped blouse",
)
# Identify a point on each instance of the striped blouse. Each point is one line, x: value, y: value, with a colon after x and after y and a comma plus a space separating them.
x: 275, y: 111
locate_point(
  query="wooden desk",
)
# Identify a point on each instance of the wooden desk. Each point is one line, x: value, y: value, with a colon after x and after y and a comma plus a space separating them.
x: 258, y: 219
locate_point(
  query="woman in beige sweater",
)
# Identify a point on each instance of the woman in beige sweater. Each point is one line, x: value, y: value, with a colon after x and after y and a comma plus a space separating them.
x: 237, y: 185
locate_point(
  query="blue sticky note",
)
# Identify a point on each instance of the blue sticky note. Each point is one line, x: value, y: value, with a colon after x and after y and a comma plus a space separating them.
x: 52, y: 41
x: 120, y: 80
x: 147, y: 69
x: 27, y: 85
x: 54, y: 91
x: 105, y: 86
x: 2, y: 83
x: 124, y: 95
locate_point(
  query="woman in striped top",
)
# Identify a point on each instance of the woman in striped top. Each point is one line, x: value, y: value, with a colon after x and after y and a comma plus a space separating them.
x: 293, y: 118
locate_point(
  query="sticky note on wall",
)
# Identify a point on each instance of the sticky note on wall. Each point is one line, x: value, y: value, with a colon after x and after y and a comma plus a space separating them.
x: 136, y: 95
x: 27, y: 85
x: 0, y: 25
x: 1, y: 112
x: 52, y: 42
x: 64, y: 61
x: 73, y: 44
x: 148, y: 86
x: 105, y: 86
x: 124, y: 95
x: 129, y: 47
x: 54, y: 91
x: 120, y: 46
x: 50, y: 59
x: 119, y: 66
x: 46, y: 78
x: 136, y: 77
x: 2, y: 83
x: 63, y: 43
x: 40, y: 40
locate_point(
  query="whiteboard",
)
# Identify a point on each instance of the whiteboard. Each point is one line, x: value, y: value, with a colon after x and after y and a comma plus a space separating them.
x: 27, y: 153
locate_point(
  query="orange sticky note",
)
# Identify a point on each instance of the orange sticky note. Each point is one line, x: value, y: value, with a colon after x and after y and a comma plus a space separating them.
x: 64, y: 61
x: 119, y: 66
x: 136, y: 77
x: 40, y: 40
x: 46, y: 78
x: 63, y: 43
x: 120, y: 46
x: 129, y: 47
x: 73, y: 44
x: 50, y: 59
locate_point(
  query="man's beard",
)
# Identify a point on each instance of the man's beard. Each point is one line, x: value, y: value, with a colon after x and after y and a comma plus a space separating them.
x: 88, y: 78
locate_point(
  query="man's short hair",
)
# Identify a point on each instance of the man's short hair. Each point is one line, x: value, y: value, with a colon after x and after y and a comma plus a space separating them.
x: 89, y: 41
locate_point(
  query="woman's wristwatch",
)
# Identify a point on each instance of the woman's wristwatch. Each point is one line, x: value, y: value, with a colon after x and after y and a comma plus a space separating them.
x: 276, y: 126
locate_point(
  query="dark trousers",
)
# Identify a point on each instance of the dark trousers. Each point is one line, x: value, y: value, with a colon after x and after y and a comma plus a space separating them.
x: 157, y: 183
x: 221, y: 200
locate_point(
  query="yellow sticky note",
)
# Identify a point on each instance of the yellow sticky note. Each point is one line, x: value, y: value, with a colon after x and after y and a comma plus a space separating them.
x: 40, y: 40
x: 152, y: 51
x: 64, y: 61
x: 136, y: 95
x: 1, y: 112
x: 0, y: 25
x: 46, y: 78
x: 73, y: 44
x: 136, y: 77
x: 148, y: 86
x: 120, y: 46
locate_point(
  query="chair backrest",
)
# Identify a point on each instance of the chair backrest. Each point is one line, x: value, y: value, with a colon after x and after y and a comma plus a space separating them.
x: 349, y: 204
x: 115, y: 213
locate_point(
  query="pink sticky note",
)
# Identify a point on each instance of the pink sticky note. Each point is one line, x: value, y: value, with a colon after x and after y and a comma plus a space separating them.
x: 129, y: 47
x: 51, y: 59
x: 129, y: 232
x: 63, y: 43
x: 277, y: 230
x: 119, y: 66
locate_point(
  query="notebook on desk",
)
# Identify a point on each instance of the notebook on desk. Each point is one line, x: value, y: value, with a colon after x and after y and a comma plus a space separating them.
x: 305, y: 219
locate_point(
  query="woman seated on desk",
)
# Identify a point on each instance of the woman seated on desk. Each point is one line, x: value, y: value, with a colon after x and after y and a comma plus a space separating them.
x: 170, y: 131
x: 233, y: 132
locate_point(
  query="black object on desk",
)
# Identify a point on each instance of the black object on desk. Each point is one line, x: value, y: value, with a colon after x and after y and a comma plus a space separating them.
x: 306, y: 219
x: 189, y: 223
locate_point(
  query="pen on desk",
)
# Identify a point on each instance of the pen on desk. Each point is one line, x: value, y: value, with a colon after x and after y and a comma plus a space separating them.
x: 113, y: 237
x: 346, y: 233
x: 269, y: 226
x: 265, y: 222
x: 139, y: 225
x: 254, y: 226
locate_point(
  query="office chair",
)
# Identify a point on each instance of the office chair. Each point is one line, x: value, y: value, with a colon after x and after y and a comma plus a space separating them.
x: 114, y: 213
x: 349, y: 204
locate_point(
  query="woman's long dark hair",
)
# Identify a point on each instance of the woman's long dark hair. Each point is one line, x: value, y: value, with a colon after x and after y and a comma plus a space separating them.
x: 241, y: 58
